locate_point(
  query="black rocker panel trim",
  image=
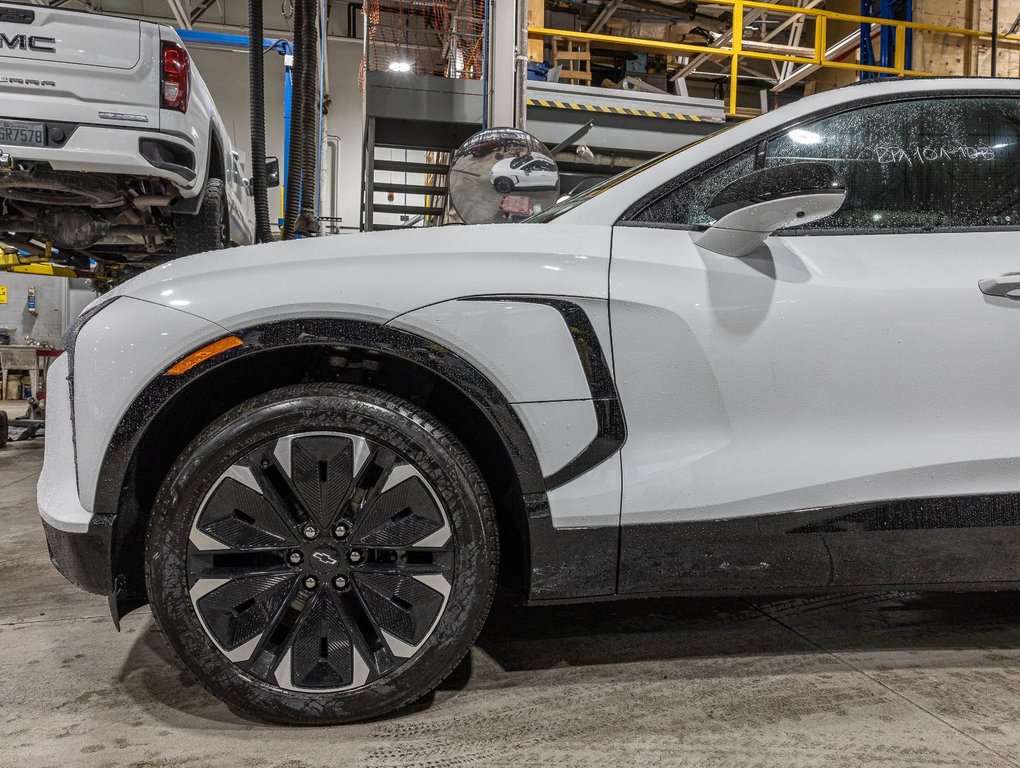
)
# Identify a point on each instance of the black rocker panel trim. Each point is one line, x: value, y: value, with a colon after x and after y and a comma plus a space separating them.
x: 611, y: 427
x: 924, y: 541
x: 569, y: 563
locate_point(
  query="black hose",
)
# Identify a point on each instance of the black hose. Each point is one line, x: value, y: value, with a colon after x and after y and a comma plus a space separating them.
x: 299, y: 209
x: 310, y: 159
x: 257, y: 118
x: 298, y: 121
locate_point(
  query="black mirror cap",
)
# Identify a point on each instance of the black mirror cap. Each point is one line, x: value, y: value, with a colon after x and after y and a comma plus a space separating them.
x: 793, y: 180
x: 272, y: 172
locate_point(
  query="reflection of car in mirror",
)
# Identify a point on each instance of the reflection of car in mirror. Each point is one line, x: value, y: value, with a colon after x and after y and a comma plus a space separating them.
x: 525, y: 172
x: 502, y: 175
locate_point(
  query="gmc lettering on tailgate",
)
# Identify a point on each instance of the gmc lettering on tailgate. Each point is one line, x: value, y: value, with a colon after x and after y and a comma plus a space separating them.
x: 28, y: 43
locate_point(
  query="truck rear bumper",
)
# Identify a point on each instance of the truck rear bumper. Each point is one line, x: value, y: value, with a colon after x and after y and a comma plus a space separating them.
x: 122, y: 151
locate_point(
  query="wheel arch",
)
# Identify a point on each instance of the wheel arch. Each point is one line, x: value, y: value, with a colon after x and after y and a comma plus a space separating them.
x: 171, y: 412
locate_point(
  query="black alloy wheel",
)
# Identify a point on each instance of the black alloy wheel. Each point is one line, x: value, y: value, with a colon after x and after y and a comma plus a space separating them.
x: 312, y: 548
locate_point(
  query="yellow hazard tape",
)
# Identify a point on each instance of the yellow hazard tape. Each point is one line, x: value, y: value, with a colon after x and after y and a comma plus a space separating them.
x: 612, y: 110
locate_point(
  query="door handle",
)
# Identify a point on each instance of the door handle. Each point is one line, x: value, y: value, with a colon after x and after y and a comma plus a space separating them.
x: 1007, y: 285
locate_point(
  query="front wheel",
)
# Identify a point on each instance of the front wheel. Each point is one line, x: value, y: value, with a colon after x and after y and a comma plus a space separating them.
x: 321, y: 554
x: 503, y: 184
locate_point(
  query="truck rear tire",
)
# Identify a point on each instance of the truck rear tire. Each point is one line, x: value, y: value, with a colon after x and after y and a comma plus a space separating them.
x: 206, y: 230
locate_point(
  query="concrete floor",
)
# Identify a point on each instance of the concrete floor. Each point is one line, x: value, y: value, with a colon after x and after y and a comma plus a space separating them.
x: 864, y: 680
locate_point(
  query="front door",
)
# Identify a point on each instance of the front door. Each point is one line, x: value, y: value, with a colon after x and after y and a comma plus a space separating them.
x: 839, y: 407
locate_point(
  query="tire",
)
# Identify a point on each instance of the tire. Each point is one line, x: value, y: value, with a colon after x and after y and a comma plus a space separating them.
x: 265, y: 638
x: 503, y: 184
x: 206, y: 230
x: 4, y: 426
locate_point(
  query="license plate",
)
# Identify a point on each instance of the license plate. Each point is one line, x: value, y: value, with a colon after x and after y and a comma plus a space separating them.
x: 22, y: 134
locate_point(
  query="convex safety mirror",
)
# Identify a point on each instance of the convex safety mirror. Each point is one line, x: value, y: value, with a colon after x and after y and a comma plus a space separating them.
x: 754, y: 206
x: 502, y: 175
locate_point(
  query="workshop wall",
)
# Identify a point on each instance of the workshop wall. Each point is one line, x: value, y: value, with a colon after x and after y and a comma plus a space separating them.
x: 226, y: 74
x: 51, y: 297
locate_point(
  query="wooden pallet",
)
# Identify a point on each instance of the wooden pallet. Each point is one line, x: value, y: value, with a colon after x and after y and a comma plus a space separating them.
x: 574, y: 58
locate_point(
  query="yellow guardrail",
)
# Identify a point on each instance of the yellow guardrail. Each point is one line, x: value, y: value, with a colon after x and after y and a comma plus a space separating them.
x: 736, y: 50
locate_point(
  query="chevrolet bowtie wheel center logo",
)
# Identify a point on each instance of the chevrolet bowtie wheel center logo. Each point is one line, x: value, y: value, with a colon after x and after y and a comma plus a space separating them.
x: 325, y: 558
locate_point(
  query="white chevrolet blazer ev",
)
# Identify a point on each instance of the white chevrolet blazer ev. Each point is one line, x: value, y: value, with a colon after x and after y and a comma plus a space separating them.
x: 111, y: 148
x: 777, y: 360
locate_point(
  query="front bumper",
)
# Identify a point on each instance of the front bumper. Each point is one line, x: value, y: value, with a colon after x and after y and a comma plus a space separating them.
x: 117, y: 347
x: 78, y: 541
x: 83, y: 558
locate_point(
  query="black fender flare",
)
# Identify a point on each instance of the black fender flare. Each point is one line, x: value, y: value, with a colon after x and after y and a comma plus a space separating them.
x: 563, y: 563
x: 191, y: 205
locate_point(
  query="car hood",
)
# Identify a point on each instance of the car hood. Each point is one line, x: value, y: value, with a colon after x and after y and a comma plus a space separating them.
x: 380, y: 275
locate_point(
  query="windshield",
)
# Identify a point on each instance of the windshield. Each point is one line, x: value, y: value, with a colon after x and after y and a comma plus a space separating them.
x: 555, y: 211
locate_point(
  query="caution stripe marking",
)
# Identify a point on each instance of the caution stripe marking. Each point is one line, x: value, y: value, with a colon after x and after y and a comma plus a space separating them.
x: 612, y: 110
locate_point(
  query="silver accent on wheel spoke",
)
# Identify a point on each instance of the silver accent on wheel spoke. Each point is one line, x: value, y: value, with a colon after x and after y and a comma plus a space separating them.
x: 401, y: 472
x: 403, y: 650
x: 203, y: 541
x: 202, y: 588
x: 284, y: 676
x: 282, y: 449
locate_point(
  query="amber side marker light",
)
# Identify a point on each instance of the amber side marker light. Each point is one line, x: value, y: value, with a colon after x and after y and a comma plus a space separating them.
x: 203, y: 354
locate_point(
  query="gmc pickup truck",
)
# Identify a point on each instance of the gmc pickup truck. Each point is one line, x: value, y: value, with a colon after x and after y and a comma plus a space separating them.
x: 111, y: 149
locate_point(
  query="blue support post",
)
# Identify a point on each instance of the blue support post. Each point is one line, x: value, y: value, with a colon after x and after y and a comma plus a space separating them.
x: 322, y: 97
x: 887, y: 36
x: 288, y: 100
x: 867, y: 52
x: 240, y: 41
x: 909, y: 16
x: 485, y: 65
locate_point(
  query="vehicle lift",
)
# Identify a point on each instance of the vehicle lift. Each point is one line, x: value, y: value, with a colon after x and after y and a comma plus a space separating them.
x: 303, y: 109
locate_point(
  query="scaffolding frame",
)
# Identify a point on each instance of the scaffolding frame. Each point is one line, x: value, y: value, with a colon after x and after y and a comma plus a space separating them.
x: 822, y: 55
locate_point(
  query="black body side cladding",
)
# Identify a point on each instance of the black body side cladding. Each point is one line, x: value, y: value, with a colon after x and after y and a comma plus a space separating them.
x: 569, y: 563
x: 926, y: 541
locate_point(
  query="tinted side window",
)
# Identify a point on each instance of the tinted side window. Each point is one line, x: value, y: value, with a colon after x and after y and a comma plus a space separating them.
x: 686, y: 205
x: 923, y: 164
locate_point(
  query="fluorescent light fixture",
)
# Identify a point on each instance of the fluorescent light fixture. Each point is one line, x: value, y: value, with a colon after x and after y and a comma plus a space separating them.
x: 400, y: 66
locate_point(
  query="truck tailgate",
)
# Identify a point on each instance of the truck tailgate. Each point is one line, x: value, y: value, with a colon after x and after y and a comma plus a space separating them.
x: 67, y: 65
x: 83, y: 39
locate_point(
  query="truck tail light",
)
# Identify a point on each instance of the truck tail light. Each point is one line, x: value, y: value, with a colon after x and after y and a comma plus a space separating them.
x: 175, y: 79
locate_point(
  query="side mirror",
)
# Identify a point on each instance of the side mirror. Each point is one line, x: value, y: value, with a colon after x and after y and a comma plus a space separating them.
x: 272, y: 172
x: 754, y: 206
